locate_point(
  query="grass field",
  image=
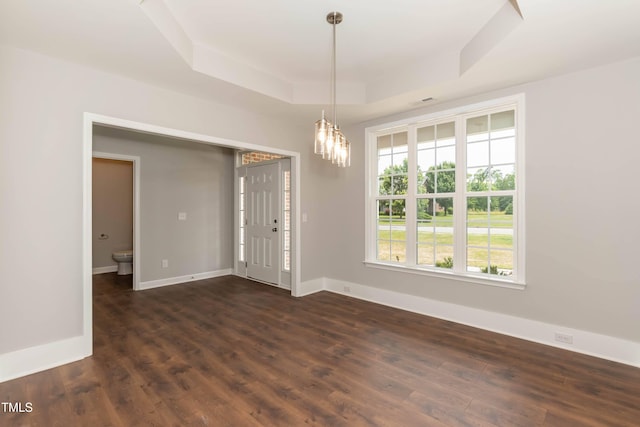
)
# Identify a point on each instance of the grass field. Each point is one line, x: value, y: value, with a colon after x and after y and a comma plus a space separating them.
x: 475, y: 219
x: 436, y: 246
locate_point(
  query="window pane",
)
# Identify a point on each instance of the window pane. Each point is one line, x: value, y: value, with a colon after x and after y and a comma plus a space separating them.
x: 502, y: 211
x: 426, y: 254
x: 477, y: 215
x: 478, y: 154
x: 444, y: 256
x: 287, y: 260
x: 477, y: 129
x: 398, y: 251
x: 502, y: 120
x: 446, y: 182
x: 399, y: 161
x: 477, y: 179
x: 384, y: 144
x: 445, y: 132
x: 287, y: 200
x: 503, y: 151
x: 446, y: 156
x: 399, y: 184
x: 384, y: 250
x: 429, y: 183
x: 242, y: 179
x: 384, y: 211
x: 426, y: 160
x: 400, y: 140
x: 242, y: 236
x: 241, y: 252
x: 501, y: 262
x: 424, y: 216
x: 287, y: 180
x: 501, y: 238
x: 426, y: 134
x: 287, y: 240
x: 426, y: 234
x: 444, y: 211
x: 287, y: 220
x: 384, y: 186
x: 477, y: 259
x: 503, y: 177
x: 384, y: 163
x: 398, y: 209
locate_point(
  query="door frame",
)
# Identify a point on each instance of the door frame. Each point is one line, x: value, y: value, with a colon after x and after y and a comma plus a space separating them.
x: 135, y: 160
x: 285, y: 280
x: 91, y: 119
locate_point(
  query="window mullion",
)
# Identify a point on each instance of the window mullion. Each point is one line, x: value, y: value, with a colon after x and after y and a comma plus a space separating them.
x: 460, y: 202
x: 410, y: 203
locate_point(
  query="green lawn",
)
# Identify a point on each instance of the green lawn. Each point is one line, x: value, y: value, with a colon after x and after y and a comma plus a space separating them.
x: 392, y: 246
x: 475, y: 219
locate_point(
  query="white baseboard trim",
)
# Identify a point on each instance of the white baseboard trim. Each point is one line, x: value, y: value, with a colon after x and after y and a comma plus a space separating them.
x: 183, y: 279
x: 590, y: 343
x: 107, y: 269
x: 30, y: 360
x: 310, y: 287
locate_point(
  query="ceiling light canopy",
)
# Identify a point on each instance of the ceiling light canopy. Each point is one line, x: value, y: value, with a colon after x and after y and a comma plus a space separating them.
x: 330, y: 143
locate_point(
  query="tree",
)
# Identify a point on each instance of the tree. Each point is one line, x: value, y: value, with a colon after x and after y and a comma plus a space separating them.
x: 443, y: 179
x: 395, y: 182
x: 480, y: 182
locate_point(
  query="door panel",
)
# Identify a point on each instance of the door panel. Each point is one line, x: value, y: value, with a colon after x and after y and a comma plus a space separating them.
x: 263, y: 229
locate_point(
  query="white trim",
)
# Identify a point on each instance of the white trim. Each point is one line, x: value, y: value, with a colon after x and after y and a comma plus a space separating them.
x: 585, y: 342
x: 137, y: 238
x: 91, y: 119
x: 184, y: 279
x: 39, y: 358
x: 447, y: 274
x: 107, y: 269
x: 311, y: 287
x: 458, y: 115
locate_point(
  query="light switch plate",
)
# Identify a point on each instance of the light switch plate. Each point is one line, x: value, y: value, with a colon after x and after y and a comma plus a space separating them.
x: 182, y: 216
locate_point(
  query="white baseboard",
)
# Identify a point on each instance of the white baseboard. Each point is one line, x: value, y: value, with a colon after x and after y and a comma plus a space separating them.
x: 593, y: 344
x: 183, y: 279
x: 107, y: 269
x: 42, y: 357
x: 310, y: 287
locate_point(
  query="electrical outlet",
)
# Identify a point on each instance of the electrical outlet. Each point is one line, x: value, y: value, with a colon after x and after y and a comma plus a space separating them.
x: 165, y: 263
x: 564, y: 338
x: 347, y: 289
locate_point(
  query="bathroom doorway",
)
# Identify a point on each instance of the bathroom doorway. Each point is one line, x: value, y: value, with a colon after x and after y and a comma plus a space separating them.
x: 115, y: 218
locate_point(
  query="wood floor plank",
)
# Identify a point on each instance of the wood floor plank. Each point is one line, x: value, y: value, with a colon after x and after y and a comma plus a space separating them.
x: 231, y: 352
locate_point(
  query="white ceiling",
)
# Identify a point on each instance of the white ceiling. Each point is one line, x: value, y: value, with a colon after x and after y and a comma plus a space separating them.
x: 274, y: 56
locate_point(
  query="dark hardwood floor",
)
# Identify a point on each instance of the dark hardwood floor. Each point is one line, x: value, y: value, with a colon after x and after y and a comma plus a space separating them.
x: 230, y: 352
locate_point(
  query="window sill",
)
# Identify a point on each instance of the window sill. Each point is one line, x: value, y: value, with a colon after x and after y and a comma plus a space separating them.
x: 447, y: 275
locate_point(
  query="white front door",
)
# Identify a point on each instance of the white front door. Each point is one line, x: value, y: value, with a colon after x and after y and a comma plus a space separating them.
x: 263, y: 222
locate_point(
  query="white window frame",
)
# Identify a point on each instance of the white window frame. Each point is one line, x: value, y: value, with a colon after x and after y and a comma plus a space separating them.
x: 459, y: 116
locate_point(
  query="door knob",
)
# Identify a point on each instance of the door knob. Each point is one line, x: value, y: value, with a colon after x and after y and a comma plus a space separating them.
x: 274, y: 229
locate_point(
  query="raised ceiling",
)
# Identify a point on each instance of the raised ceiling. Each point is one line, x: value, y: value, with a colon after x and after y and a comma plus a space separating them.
x: 275, y: 56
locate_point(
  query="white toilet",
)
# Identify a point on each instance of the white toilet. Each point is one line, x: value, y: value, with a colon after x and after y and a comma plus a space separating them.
x: 124, y: 260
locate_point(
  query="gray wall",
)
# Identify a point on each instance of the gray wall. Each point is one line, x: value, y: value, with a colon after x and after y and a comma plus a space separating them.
x: 581, y: 194
x: 582, y: 205
x: 42, y: 102
x: 112, y: 209
x: 179, y: 176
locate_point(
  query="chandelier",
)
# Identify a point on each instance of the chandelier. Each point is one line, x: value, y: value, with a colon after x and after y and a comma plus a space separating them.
x: 330, y: 143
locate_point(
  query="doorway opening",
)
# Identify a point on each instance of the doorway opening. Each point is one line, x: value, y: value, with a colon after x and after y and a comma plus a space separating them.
x: 263, y: 252
x: 116, y: 213
x: 91, y: 120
